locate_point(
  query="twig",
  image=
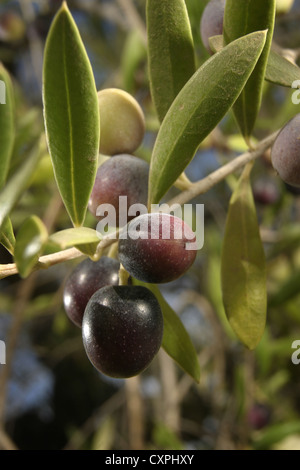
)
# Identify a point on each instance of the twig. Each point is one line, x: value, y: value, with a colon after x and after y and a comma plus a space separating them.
x: 204, y: 185
x: 55, y: 258
x: 135, y: 408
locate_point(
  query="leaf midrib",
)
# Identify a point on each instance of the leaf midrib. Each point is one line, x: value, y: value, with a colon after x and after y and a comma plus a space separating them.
x: 190, y: 116
x: 72, y: 172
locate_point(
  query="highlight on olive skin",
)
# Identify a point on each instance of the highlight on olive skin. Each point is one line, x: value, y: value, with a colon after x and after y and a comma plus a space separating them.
x: 285, y: 153
x: 121, y: 175
x: 122, y: 122
x: 87, y: 277
x: 153, y: 247
x: 212, y: 21
x: 122, y: 330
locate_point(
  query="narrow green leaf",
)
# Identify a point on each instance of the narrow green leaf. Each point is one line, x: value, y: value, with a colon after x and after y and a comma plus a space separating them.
x: 176, y: 341
x: 7, y: 122
x: 7, y: 236
x: 74, y: 237
x: 134, y: 53
x: 170, y: 51
x: 198, y: 108
x: 279, y: 71
x: 17, y: 184
x: 30, y: 240
x: 243, y: 270
x: 274, y: 434
x: 241, y: 18
x: 286, y: 291
x: 71, y: 114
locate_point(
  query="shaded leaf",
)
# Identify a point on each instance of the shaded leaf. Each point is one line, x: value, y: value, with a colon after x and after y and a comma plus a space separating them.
x: 243, y: 270
x: 198, y: 108
x: 30, y: 240
x: 281, y: 71
x: 286, y: 291
x: 71, y: 114
x: 7, y: 122
x: 171, y: 53
x: 241, y: 18
x: 16, y: 185
x: 176, y: 341
x: 134, y: 53
x: 7, y: 236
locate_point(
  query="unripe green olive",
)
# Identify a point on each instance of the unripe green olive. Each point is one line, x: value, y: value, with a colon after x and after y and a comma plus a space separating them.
x: 122, y: 122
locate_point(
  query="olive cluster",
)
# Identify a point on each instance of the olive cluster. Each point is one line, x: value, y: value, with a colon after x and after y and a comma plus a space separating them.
x: 122, y: 325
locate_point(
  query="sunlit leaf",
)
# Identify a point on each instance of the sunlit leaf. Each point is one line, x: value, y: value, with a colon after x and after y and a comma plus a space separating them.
x: 198, y: 108
x: 243, y: 270
x: 171, y: 53
x: 30, y: 240
x: 241, y: 18
x: 83, y: 238
x: 71, y: 114
x: 279, y: 70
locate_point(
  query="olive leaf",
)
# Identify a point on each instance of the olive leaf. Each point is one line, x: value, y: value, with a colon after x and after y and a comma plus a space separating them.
x: 171, y: 55
x: 7, y: 122
x: 176, y: 340
x: 279, y: 71
x: 241, y: 18
x: 198, y: 108
x: 30, y: 240
x: 71, y: 113
x: 243, y: 267
x: 83, y: 238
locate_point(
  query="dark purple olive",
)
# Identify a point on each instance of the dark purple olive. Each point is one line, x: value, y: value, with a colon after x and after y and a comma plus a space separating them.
x: 153, y: 247
x: 121, y: 175
x: 122, y: 330
x: 84, y: 281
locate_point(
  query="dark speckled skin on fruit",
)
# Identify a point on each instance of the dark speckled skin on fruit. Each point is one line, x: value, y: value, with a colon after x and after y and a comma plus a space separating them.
x: 84, y: 281
x: 157, y: 257
x: 285, y: 153
x: 122, y: 330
